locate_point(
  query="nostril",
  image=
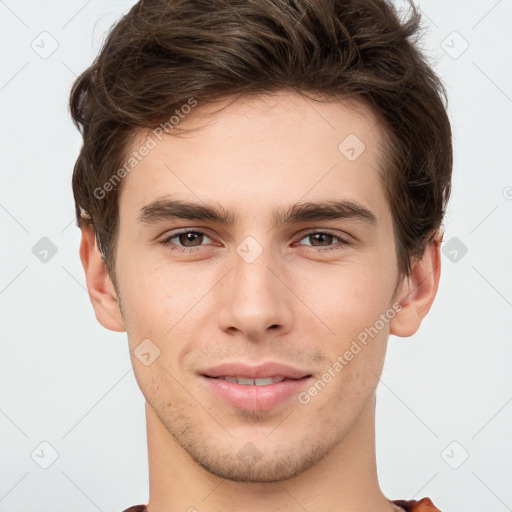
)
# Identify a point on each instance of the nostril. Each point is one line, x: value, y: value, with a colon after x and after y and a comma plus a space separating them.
x: 273, y: 326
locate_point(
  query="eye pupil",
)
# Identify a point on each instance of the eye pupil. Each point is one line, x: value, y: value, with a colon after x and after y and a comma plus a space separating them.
x: 322, y: 238
x: 190, y: 236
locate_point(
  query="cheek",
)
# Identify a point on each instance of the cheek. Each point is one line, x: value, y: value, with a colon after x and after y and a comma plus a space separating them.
x: 348, y: 297
x: 161, y: 301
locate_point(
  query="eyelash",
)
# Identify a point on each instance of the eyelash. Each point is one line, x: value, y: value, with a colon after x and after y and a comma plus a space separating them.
x: 173, y: 247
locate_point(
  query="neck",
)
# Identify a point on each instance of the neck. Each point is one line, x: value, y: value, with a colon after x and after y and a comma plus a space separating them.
x: 345, y: 480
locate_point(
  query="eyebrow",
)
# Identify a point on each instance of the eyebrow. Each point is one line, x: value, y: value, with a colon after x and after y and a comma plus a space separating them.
x: 167, y: 209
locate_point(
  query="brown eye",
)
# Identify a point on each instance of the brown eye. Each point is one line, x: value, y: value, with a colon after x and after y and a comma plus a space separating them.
x: 190, y: 239
x: 323, y: 239
x: 186, y: 240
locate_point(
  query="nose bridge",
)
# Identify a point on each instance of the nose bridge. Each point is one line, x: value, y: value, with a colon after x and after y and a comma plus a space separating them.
x: 254, y: 279
x: 253, y: 298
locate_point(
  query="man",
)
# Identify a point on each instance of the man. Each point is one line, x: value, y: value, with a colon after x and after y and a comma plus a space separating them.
x: 260, y: 192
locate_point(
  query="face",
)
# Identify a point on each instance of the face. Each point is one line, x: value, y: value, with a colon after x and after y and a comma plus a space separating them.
x: 262, y: 238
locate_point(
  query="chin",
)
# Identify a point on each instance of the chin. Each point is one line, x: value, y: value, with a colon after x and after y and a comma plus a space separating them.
x: 250, y: 465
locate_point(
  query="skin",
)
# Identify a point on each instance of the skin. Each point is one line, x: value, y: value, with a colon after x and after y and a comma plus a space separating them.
x: 211, y: 305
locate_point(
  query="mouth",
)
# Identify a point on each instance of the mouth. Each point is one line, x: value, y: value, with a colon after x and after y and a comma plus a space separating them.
x: 258, y: 394
x: 261, y: 381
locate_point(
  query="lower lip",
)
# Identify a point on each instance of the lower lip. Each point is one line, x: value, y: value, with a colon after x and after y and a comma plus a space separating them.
x: 254, y: 398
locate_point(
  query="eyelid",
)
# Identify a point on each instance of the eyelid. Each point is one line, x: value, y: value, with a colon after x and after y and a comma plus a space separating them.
x: 203, y: 231
x: 339, y: 245
x: 343, y: 239
x: 174, y: 233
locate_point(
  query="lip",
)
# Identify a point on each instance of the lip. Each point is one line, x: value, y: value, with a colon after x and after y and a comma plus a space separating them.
x: 255, y: 398
x: 270, y: 369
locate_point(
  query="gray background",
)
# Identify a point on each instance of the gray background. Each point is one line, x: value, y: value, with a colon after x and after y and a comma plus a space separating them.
x: 445, y: 393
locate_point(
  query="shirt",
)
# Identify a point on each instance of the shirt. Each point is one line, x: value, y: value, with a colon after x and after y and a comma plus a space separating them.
x: 424, y: 505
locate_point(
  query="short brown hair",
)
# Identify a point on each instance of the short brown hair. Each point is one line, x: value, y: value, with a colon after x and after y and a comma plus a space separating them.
x: 162, y: 53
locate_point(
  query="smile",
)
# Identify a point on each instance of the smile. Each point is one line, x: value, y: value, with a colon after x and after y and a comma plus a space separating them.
x: 258, y: 394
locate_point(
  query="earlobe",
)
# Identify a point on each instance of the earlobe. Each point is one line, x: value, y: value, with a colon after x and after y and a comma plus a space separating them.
x: 417, y: 291
x: 99, y: 285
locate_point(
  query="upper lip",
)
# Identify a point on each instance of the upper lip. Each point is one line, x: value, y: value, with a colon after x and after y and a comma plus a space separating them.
x: 269, y: 369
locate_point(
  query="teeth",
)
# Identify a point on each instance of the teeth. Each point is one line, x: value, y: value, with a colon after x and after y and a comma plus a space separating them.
x: 253, y: 382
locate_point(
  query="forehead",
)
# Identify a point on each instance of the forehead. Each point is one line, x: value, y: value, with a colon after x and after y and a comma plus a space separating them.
x: 246, y: 152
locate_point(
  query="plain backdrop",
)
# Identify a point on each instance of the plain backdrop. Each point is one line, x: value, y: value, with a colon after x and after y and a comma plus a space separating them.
x: 72, y: 427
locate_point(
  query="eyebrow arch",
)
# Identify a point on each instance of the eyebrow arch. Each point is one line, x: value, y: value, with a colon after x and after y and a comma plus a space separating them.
x: 166, y: 209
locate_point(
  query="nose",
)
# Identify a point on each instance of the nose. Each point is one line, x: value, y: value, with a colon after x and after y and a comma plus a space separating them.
x: 254, y: 301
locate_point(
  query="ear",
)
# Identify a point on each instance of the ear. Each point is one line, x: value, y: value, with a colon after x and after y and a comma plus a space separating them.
x: 417, y: 291
x: 101, y: 289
